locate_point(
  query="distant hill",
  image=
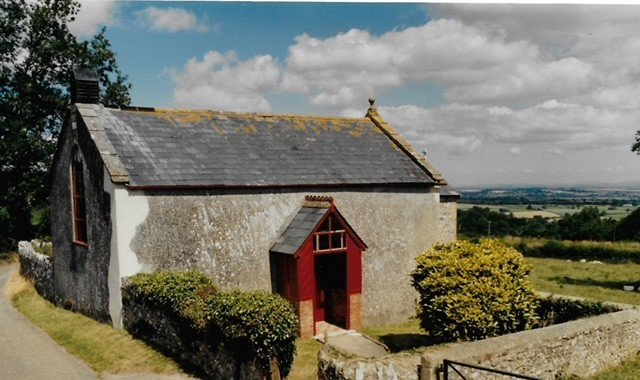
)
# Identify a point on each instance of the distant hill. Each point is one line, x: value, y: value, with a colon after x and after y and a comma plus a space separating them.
x: 614, y: 196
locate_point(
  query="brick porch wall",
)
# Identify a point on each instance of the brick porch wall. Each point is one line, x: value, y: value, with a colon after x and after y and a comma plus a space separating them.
x: 355, y: 311
x: 305, y: 315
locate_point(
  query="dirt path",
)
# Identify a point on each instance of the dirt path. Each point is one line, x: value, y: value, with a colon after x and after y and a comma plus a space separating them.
x: 26, y: 352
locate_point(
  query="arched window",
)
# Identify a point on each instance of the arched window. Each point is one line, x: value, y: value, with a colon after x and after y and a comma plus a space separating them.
x: 78, y: 201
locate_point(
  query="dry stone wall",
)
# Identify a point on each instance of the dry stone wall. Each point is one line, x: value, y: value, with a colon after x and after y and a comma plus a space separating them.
x: 334, y: 365
x: 583, y: 347
x: 38, y: 268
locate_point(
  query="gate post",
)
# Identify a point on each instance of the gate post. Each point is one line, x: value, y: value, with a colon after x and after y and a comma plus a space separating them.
x: 430, y: 368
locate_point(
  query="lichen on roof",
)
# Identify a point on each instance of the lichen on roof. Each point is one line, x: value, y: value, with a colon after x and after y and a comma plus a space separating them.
x: 167, y: 148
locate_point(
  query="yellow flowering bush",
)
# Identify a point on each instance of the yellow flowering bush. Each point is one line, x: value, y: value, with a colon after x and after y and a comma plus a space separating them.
x: 473, y: 291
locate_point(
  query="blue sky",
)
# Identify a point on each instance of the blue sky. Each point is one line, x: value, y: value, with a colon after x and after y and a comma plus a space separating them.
x: 497, y: 94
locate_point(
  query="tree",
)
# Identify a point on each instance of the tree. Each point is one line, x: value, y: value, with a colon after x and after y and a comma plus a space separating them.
x: 636, y: 146
x: 37, y: 56
x: 629, y: 227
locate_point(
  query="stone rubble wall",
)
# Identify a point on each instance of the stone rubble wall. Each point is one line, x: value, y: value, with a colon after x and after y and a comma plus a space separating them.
x: 583, y: 347
x: 37, y: 268
x: 334, y: 365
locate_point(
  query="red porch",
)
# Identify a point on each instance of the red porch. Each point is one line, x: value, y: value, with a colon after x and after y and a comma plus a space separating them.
x: 317, y: 265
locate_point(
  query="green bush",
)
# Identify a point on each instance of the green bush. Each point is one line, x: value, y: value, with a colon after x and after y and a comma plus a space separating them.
x: 552, y: 310
x: 266, y: 320
x: 175, y: 290
x: 472, y: 291
x: 258, y: 324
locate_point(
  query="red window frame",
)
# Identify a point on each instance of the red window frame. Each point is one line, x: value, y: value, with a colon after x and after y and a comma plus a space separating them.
x: 78, y: 203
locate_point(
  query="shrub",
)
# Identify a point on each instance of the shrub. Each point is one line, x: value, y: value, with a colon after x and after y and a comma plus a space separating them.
x: 265, y: 320
x: 472, y: 291
x: 552, y: 310
x: 256, y: 325
x: 174, y: 290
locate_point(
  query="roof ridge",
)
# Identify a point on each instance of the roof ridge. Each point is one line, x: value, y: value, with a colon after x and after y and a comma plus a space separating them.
x: 220, y: 112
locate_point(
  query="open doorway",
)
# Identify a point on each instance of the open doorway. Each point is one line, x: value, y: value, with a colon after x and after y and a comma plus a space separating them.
x: 331, y: 289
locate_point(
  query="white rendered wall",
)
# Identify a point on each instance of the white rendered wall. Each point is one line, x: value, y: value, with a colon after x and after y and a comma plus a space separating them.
x: 127, y: 212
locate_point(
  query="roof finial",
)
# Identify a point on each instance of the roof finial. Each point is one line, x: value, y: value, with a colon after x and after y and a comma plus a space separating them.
x: 372, y: 101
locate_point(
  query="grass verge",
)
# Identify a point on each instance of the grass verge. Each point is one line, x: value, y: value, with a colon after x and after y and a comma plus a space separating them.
x: 100, y: 346
x: 305, y: 364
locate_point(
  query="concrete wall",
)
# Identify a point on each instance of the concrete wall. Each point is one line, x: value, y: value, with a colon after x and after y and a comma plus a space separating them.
x: 80, y: 273
x: 228, y: 236
x: 583, y: 347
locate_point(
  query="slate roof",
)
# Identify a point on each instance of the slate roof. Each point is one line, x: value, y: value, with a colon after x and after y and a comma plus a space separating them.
x: 298, y: 230
x: 147, y: 148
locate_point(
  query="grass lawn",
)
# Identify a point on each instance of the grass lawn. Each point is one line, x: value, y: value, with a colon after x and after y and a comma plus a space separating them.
x: 597, y: 281
x: 100, y: 346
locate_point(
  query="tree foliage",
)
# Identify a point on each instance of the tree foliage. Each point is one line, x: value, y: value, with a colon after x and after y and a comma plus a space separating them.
x: 636, y: 145
x: 37, y: 56
x: 587, y: 224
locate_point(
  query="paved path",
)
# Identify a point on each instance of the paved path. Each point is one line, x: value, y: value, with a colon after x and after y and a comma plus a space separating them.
x: 349, y: 341
x: 26, y: 352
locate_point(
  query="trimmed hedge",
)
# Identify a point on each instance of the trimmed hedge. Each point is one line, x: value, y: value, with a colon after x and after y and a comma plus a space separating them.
x: 472, y: 291
x: 581, y: 250
x: 554, y: 310
x: 255, y: 325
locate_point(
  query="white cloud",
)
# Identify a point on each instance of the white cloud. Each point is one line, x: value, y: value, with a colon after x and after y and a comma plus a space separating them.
x: 171, y: 19
x: 221, y: 81
x: 92, y: 15
x: 552, y: 126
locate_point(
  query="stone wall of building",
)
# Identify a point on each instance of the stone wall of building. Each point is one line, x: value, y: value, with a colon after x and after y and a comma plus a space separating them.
x: 80, y: 271
x: 448, y: 218
x: 38, y: 268
x: 583, y: 347
x: 227, y: 235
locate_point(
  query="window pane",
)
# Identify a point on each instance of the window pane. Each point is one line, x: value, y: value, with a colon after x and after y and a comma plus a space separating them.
x: 324, y: 226
x: 78, y: 201
x: 338, y: 241
x: 336, y: 225
x: 323, y: 242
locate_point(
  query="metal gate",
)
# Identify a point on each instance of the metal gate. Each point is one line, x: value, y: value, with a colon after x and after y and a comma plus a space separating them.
x: 453, y: 371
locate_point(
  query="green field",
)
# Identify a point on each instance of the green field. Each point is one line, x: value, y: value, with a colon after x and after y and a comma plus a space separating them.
x: 560, y: 210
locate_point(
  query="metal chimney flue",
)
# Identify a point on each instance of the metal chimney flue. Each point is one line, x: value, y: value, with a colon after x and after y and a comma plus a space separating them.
x: 85, y: 87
